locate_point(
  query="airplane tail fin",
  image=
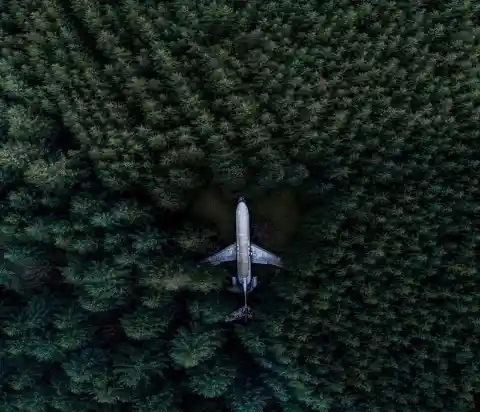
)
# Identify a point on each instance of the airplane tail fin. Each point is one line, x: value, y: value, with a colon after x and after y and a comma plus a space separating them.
x: 245, y: 301
x: 244, y: 312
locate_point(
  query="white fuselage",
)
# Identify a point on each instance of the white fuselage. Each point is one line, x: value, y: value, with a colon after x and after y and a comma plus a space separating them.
x: 244, y: 264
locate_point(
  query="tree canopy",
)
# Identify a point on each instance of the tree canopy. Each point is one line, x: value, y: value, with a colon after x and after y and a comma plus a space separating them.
x: 118, y: 117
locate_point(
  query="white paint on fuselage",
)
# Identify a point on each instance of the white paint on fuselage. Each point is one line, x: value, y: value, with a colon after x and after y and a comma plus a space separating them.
x: 243, y: 243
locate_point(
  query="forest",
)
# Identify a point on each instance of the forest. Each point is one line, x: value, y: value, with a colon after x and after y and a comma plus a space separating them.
x: 129, y: 128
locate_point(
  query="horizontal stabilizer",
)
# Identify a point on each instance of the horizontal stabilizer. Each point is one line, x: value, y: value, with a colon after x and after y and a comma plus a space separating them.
x: 240, y: 314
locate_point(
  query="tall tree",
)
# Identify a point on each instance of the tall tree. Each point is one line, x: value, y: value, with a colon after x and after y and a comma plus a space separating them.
x: 118, y: 118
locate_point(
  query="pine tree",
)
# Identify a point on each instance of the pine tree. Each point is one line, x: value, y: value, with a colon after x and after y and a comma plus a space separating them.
x: 194, y: 345
x: 128, y: 129
x: 212, y: 380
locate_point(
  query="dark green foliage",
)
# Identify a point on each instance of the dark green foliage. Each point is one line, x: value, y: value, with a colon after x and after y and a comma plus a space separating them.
x: 194, y: 345
x: 133, y: 367
x: 213, y: 379
x: 162, y: 402
x: 122, y: 123
x: 145, y: 323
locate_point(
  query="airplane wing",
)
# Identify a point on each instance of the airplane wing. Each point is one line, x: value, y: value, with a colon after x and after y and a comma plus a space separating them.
x: 225, y: 255
x: 264, y: 257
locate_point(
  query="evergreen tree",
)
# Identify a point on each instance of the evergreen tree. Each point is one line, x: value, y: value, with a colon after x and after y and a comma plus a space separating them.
x: 127, y: 131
